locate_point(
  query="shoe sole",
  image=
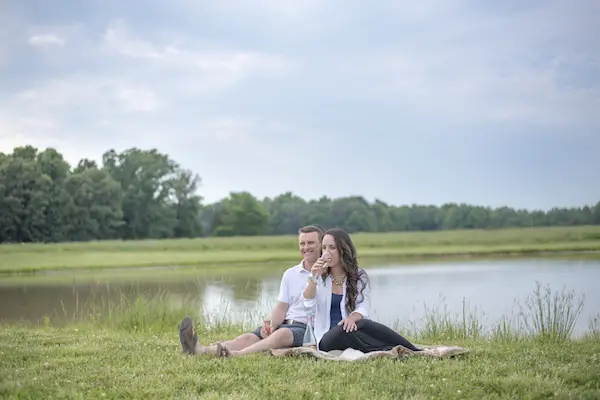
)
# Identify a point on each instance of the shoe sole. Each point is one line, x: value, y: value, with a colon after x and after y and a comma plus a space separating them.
x: 187, y: 335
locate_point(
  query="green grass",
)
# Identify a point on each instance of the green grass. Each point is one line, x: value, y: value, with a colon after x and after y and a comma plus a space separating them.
x: 211, y: 253
x: 131, y: 349
x: 90, y: 363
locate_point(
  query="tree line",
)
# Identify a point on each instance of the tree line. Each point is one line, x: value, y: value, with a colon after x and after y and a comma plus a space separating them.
x: 138, y: 194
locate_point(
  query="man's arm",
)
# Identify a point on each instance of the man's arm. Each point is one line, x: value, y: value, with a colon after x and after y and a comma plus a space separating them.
x: 283, y: 303
x: 278, y: 314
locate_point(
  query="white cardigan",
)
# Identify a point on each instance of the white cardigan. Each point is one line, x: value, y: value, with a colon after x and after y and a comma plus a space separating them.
x: 321, y: 303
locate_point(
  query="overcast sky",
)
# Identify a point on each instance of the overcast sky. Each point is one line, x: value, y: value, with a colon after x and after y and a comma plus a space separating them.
x: 408, y: 102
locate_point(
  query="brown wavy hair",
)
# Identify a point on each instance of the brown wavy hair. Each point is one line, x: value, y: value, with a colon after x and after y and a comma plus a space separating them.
x: 349, y: 263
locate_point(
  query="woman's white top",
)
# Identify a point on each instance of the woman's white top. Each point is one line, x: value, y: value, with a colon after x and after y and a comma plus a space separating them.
x: 321, y: 303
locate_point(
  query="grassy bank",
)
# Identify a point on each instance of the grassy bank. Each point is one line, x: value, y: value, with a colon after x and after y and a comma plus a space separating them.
x: 214, y: 252
x: 131, y: 349
x: 49, y: 363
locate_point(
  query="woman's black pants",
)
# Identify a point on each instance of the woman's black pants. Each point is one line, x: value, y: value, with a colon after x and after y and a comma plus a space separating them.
x: 369, y: 336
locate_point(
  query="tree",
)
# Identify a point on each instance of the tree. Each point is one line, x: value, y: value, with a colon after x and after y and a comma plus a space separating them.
x: 243, y: 215
x: 25, y: 193
x: 60, y: 209
x: 187, y: 204
x: 97, y: 199
x: 287, y: 212
x: 146, y: 178
x: 141, y: 193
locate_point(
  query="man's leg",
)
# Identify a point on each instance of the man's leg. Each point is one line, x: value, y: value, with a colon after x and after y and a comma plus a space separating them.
x: 282, y: 337
x: 240, y: 342
x: 369, y: 336
x: 244, y: 340
x: 191, y: 345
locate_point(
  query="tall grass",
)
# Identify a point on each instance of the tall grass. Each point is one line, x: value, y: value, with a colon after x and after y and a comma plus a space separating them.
x: 142, y: 312
x: 439, y: 325
x: 544, y: 315
x: 551, y: 315
x: 594, y: 328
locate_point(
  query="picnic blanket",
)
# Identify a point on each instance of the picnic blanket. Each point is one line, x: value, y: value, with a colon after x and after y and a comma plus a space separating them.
x: 357, y: 355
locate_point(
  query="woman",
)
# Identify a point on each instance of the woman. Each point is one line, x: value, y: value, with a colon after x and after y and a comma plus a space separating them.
x: 338, y: 293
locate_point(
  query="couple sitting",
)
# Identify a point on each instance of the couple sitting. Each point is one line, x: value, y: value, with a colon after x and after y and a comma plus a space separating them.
x: 332, y: 286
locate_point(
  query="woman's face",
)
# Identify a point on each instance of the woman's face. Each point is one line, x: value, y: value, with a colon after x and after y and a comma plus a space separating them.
x: 330, y: 246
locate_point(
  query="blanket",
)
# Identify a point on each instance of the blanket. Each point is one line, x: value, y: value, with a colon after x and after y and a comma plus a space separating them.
x: 357, y: 355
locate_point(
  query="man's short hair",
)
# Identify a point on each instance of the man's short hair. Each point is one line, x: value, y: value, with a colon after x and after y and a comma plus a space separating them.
x: 312, y: 228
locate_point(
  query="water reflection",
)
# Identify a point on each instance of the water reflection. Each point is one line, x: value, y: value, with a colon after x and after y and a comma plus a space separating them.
x: 399, y: 294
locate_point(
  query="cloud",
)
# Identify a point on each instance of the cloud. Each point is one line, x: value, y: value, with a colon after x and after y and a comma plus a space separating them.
x: 272, y: 11
x: 484, y: 66
x: 46, y: 40
x: 440, y: 101
x: 144, y: 77
x: 206, y: 68
x: 98, y: 94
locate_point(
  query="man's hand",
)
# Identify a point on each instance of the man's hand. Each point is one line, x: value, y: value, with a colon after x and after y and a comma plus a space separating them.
x: 265, y: 332
x: 266, y: 329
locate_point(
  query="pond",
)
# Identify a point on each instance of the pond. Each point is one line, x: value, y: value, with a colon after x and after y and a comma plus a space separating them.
x: 401, y: 294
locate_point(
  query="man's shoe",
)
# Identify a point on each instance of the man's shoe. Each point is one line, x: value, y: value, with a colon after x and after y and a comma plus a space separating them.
x: 188, y: 336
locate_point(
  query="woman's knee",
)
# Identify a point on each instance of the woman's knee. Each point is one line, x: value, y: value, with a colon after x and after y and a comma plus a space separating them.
x: 331, y: 339
x: 361, y: 323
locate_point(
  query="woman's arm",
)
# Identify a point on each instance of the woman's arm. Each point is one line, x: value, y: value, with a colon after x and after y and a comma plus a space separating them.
x: 309, y: 297
x: 311, y: 288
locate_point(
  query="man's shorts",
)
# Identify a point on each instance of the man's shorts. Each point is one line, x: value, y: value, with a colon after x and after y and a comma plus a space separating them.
x: 298, y: 329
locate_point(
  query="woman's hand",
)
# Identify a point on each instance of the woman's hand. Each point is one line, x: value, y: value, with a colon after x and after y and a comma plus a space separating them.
x: 349, y: 324
x: 319, y: 267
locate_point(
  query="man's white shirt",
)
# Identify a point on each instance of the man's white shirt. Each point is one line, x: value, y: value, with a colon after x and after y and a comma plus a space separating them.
x: 292, y: 285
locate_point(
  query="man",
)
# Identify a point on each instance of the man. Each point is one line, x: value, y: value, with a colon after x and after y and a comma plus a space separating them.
x: 288, y: 317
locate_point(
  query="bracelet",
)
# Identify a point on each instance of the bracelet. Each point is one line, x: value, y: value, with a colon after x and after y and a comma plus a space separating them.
x: 312, y: 279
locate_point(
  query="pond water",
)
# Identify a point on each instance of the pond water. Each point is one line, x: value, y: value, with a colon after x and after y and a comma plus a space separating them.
x: 401, y: 294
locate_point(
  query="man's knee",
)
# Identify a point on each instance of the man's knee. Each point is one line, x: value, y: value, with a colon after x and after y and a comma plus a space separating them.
x: 250, y: 337
x: 255, y: 333
x: 284, y: 335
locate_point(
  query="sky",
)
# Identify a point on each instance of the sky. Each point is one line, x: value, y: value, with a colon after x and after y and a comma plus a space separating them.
x: 488, y: 103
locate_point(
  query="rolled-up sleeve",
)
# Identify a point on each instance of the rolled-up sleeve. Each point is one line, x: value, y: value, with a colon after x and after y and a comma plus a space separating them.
x: 309, y: 304
x: 363, y: 302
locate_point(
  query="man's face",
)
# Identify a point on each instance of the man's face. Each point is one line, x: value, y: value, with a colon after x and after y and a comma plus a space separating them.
x: 310, y: 247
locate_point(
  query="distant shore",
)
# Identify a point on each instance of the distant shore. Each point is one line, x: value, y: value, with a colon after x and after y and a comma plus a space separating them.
x: 214, y: 252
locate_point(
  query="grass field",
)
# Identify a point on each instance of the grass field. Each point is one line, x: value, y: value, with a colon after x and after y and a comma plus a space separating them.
x: 214, y: 252
x: 132, y: 351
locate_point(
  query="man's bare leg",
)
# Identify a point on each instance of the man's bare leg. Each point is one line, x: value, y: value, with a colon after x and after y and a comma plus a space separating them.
x: 240, y: 342
x: 282, y: 337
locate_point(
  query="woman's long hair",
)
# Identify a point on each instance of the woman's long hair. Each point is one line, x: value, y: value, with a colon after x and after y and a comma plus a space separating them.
x: 349, y: 263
